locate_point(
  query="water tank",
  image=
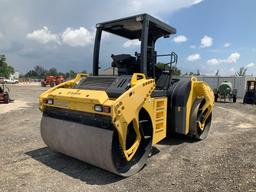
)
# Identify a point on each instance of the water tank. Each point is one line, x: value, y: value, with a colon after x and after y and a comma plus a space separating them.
x: 225, y: 88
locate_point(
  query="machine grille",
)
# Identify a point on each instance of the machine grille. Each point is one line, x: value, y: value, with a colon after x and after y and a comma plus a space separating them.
x: 96, y: 83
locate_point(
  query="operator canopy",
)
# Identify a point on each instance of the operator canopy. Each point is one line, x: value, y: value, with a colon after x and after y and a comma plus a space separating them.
x: 143, y: 27
x: 131, y: 27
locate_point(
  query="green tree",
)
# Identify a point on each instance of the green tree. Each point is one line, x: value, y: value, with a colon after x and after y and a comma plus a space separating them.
x: 52, y: 71
x: 217, y: 72
x: 70, y: 75
x: 32, y: 74
x: 242, y: 71
x: 176, y: 71
x: 5, y: 69
x: 61, y: 73
x: 164, y: 67
x: 41, y: 72
x: 37, y: 72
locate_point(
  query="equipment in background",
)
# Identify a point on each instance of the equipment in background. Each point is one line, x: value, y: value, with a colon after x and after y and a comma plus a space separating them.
x: 250, y: 95
x: 4, y: 94
x: 11, y: 81
x: 52, y: 80
x: 112, y: 121
x: 225, y: 91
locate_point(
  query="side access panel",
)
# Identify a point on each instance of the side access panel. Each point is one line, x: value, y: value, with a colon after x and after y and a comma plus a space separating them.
x: 157, y: 109
x: 160, y: 115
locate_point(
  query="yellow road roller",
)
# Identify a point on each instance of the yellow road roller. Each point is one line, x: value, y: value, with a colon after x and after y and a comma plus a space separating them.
x: 112, y: 121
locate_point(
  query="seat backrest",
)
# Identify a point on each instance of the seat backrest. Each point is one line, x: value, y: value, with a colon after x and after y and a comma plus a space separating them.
x: 125, y: 63
x: 163, y: 81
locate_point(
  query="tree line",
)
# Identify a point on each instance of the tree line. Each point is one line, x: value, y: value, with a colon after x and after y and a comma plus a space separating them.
x: 174, y: 70
x: 38, y: 72
x: 5, y: 69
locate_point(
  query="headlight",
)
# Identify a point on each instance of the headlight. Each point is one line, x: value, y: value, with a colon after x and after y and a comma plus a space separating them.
x: 98, y: 108
x: 101, y: 108
x: 49, y: 101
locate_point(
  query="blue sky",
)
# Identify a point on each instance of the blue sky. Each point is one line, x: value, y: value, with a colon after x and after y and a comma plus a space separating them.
x: 211, y: 34
x: 226, y: 21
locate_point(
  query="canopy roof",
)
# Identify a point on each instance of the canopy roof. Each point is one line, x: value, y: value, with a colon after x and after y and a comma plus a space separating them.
x: 131, y: 27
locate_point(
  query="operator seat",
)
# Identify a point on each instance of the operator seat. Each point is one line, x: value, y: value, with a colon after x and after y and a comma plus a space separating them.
x: 125, y: 63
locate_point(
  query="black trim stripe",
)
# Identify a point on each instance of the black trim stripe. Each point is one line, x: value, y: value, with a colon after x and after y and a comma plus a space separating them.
x: 96, y: 120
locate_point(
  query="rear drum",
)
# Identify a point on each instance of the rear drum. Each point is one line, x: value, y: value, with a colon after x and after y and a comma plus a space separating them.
x: 196, y: 115
x: 96, y: 146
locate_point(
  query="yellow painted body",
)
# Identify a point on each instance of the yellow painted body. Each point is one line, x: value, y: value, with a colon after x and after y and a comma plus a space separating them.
x: 125, y: 109
x: 199, y: 89
x: 157, y: 109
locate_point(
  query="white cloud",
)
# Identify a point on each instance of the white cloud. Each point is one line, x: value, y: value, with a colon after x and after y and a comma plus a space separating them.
x: 1, y: 35
x: 180, y: 39
x: 77, y: 37
x: 226, y: 44
x: 158, y: 7
x: 131, y: 43
x: 22, y: 21
x: 197, y: 2
x: 232, y: 58
x: 213, y: 61
x: 194, y: 57
x: 71, y: 37
x: 206, y: 41
x: 250, y: 65
x: 192, y: 46
x: 44, y: 36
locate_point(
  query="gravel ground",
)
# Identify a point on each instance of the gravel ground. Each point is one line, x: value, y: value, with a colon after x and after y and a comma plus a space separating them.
x: 226, y: 161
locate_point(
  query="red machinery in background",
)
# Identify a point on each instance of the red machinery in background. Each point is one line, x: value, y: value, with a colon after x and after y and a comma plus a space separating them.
x: 4, y: 94
x: 52, y: 80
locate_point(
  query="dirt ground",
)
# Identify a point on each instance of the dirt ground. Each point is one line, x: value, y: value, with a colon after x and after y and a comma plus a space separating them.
x: 226, y: 161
